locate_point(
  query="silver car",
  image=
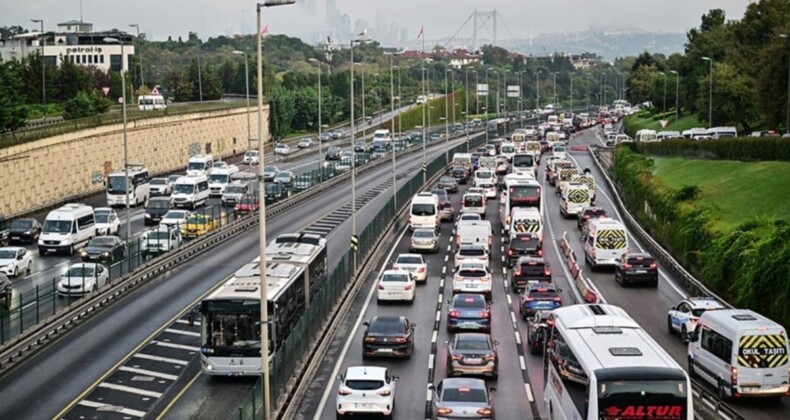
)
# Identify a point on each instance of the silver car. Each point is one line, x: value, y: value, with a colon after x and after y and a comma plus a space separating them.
x: 424, y: 240
x: 462, y: 398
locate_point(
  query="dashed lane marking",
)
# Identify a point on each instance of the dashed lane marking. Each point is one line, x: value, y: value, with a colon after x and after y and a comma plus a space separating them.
x: 161, y: 359
x: 108, y: 407
x: 131, y: 390
x: 149, y: 373
x: 175, y: 346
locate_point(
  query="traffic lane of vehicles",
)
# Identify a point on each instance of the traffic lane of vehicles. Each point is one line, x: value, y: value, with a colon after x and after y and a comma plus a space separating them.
x: 207, y: 398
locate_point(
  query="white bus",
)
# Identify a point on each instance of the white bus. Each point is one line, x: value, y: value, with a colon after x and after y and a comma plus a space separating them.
x: 138, y: 191
x: 519, y: 193
x: 230, y: 317
x: 600, y: 364
x: 151, y: 102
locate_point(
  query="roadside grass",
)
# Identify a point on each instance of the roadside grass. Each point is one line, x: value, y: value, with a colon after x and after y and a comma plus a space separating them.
x: 738, y: 191
x: 644, y: 120
x: 413, y: 117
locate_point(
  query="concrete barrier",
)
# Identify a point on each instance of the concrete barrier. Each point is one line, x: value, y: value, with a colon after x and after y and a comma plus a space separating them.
x: 583, y: 284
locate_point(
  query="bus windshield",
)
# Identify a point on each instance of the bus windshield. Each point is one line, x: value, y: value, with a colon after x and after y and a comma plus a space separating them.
x: 196, y: 166
x: 523, y: 161
x: 423, y: 209
x: 219, y: 178
x: 642, y: 399
x: 57, y: 226
x: 116, y: 184
x: 184, y: 189
x: 232, y: 327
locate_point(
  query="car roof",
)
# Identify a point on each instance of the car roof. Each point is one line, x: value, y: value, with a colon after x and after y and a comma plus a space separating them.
x: 388, y: 318
x: 395, y: 272
x: 365, y: 372
x: 550, y: 287
x: 409, y: 255
x: 639, y: 255
x: 13, y: 248
x: 463, y: 383
x: 527, y: 259
x: 473, y: 336
x: 475, y: 296
x: 704, y: 303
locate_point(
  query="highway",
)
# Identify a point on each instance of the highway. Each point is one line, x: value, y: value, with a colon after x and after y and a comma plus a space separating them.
x: 85, y: 357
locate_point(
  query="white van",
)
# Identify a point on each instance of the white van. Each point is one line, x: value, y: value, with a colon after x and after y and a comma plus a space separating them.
x: 484, y: 176
x: 722, y: 132
x: 646, y: 136
x: 382, y: 135
x: 741, y: 353
x: 219, y: 178
x: 151, y: 102
x: 605, y: 240
x: 66, y: 228
x: 474, y: 203
x: 200, y: 164
x: 424, y: 211
x: 474, y: 232
x: 190, y: 191
x: 524, y: 162
x: 138, y: 192
x: 575, y: 197
x: 525, y: 220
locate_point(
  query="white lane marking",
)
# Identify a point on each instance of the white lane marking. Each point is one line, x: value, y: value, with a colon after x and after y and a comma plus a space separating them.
x: 161, y: 359
x: 513, y: 318
x: 438, y: 316
x: 131, y: 390
x: 342, y: 356
x: 528, y: 390
x: 429, y: 394
x: 439, y: 300
x: 113, y: 408
x: 504, y: 282
x: 147, y: 372
x: 182, y: 332
x: 448, y: 248
x: 522, y: 362
x: 444, y: 270
x: 434, y: 336
x: 184, y: 321
x: 175, y: 346
x: 518, y: 337
x: 441, y: 284
x: 446, y: 258
x: 509, y: 300
x: 430, y: 361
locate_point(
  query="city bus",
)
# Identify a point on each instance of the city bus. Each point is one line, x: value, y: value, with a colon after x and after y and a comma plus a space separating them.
x: 230, y: 317
x: 138, y: 191
x: 600, y: 364
x: 519, y: 193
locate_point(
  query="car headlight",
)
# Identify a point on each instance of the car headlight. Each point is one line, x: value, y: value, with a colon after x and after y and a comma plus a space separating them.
x: 84, y: 253
x: 147, y: 216
x: 27, y: 232
x: 106, y: 254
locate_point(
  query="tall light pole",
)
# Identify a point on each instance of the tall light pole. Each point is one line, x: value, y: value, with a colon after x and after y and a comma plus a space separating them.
x: 504, y: 80
x: 466, y: 122
x: 400, y: 103
x: 41, y: 42
x: 710, y: 91
x: 140, y: 53
x: 570, y: 74
x: 425, y: 106
x: 356, y: 40
x: 664, y: 106
x: 364, y: 122
x: 127, y: 182
x: 200, y: 76
x: 247, y: 79
x: 262, y: 217
x: 447, y: 114
x: 521, y: 96
x: 677, y: 96
x: 318, y: 65
x: 554, y: 100
x: 537, y: 90
x: 392, y: 122
x: 787, y: 124
x: 477, y: 96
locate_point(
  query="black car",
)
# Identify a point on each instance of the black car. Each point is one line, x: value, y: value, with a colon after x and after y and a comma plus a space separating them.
x: 332, y: 153
x: 156, y: 209
x: 104, y: 249
x: 460, y: 173
x: 468, y: 312
x: 538, y: 331
x: 589, y: 213
x: 523, y: 244
x: 24, y: 230
x: 276, y: 192
x: 360, y: 147
x: 529, y: 269
x: 449, y: 183
x: 636, y: 267
x: 391, y: 336
x: 5, y: 290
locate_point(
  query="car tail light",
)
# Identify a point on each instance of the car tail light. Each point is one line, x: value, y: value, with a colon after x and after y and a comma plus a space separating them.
x: 490, y: 357
x: 528, y: 299
x: 517, y: 272
x: 485, y: 411
x: 540, y: 252
x: 454, y: 314
x: 413, y: 242
x: 509, y: 252
x: 400, y: 340
x: 370, y: 339
x: 734, y: 376
x: 385, y: 393
x: 485, y: 314
x: 407, y: 287
x: 343, y: 391
x: 626, y: 265
x: 381, y: 287
x: 557, y: 299
x: 443, y: 410
x: 547, y: 271
x: 653, y: 265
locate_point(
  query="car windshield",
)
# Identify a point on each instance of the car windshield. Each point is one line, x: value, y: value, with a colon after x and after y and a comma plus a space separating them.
x: 473, y: 200
x: 423, y: 234
x: 102, y: 242
x: 542, y: 293
x: 175, y: 215
x: 196, y: 166
x: 184, y: 188
x: 284, y: 175
x: 57, y: 226
x: 21, y: 224
x: 247, y: 200
x: 472, y: 344
x: 466, y: 302
x: 102, y: 217
x: 7, y: 254
x: 158, y: 181
x: 447, y: 180
x: 157, y: 204
x: 559, y: 148
x: 525, y: 242
x: 81, y: 271
x: 395, y: 278
x: 386, y: 327
x: 364, y: 385
x: 475, y: 395
x: 234, y: 189
x: 472, y: 252
x: 483, y: 174
x: 270, y: 169
x: 219, y: 178
x: 472, y: 272
x: 408, y: 259
x: 423, y: 209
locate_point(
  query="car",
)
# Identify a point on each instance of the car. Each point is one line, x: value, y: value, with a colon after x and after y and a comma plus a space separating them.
x: 160, y: 186
x: 468, y: 312
x: 338, y: 133
x: 304, y: 143
x: 636, y: 267
x: 462, y: 398
x: 539, y: 297
x: 395, y: 284
x: 247, y: 204
x: 269, y: 172
x: 589, y: 213
x: 365, y: 390
x: 449, y: 183
x: 160, y: 240
x: 175, y: 217
x: 108, y: 249
x: 527, y: 270
x: 472, y: 277
x: 282, y: 149
x: 472, y: 354
x: 276, y: 192
x: 414, y: 264
x: 424, y: 240
x: 233, y: 193
x: 251, y: 157
x: 106, y: 220
x: 82, y: 278
x: 15, y: 260
x: 538, y: 328
x: 155, y: 210
x: 325, y: 136
x: 332, y: 153
x: 391, y: 336
x: 285, y: 178
x: 303, y: 182
x: 198, y: 225
x: 25, y: 230
x: 683, y: 318
x: 360, y: 147
x: 173, y: 178
x: 460, y: 173
x: 6, y: 290
x: 437, y: 136
x: 469, y: 216
x: 476, y: 252
x: 523, y: 244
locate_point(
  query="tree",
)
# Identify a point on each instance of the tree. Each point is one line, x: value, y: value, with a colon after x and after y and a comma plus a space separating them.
x: 771, y: 82
x: 80, y: 106
x: 495, y: 56
x: 733, y: 97
x: 642, y: 85
x: 12, y: 100
x: 70, y: 80
x: 281, y: 112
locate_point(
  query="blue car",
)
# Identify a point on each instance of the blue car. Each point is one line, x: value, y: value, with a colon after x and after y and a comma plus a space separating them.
x: 539, y: 297
x: 468, y: 312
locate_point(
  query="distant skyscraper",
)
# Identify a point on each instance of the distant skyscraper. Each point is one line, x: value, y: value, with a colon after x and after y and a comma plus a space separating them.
x: 343, y: 28
x: 393, y: 33
x: 360, y: 25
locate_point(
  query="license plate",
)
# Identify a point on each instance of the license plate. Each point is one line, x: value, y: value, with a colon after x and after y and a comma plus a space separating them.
x: 473, y: 360
x: 363, y: 405
x: 468, y: 325
x: 15, y: 238
x: 641, y: 271
x: 384, y: 350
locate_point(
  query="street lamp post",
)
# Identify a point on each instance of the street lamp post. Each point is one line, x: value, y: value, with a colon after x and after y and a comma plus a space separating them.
x: 677, y: 97
x: 466, y: 112
x: 140, y: 54
x: 247, y: 77
x: 504, y: 83
x: 353, y: 153
x: 127, y: 182
x: 43, y: 68
x: 710, y: 92
x: 570, y: 74
x: 318, y: 64
x: 664, y: 106
x: 521, y: 98
x: 392, y: 123
x: 424, y: 110
x: 477, y: 96
x: 262, y: 217
x: 447, y: 114
x: 537, y: 90
x: 554, y: 99
x: 787, y: 124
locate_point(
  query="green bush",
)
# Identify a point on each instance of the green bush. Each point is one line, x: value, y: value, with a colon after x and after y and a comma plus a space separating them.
x: 743, y: 149
x: 80, y: 106
x: 747, y: 266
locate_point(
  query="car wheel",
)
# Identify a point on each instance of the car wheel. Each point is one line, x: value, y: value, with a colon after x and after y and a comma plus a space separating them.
x: 684, y: 335
x: 722, y: 391
x: 340, y: 416
x: 29, y: 268
x: 670, y: 330
x: 16, y: 271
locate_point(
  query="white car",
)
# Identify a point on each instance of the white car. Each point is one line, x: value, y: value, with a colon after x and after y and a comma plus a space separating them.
x: 282, y: 149
x: 396, y: 285
x: 175, y: 218
x: 251, y: 157
x: 107, y: 221
x: 469, y: 216
x: 366, y: 390
x: 160, y: 186
x: 82, y: 278
x: 472, y: 277
x: 559, y: 151
x: 682, y: 318
x: 15, y: 259
x: 414, y: 264
x: 471, y: 253
x: 159, y: 240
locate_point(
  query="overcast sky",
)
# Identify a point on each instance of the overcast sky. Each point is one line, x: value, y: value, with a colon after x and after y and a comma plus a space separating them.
x: 442, y: 18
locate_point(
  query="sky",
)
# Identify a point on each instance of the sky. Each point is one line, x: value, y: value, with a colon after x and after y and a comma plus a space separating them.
x: 440, y: 18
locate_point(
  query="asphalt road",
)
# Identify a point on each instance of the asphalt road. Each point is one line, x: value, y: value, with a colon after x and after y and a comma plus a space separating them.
x: 54, y: 378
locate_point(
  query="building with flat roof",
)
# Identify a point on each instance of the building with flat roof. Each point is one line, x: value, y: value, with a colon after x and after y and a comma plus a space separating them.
x: 74, y: 41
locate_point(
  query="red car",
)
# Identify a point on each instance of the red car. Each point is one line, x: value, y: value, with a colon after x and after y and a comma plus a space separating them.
x: 247, y: 204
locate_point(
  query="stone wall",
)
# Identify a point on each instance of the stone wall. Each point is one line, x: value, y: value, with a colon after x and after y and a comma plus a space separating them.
x: 46, y: 172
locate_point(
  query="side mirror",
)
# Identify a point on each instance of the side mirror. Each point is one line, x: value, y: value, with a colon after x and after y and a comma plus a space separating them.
x: 448, y: 302
x: 366, y: 323
x: 431, y: 386
x: 395, y: 378
x: 447, y: 342
x: 496, y: 342
x: 340, y: 378
x: 559, y: 290
x: 491, y: 389
x: 413, y: 324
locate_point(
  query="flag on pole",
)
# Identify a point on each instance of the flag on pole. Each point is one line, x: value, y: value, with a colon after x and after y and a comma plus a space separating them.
x: 265, y: 31
x: 422, y: 32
